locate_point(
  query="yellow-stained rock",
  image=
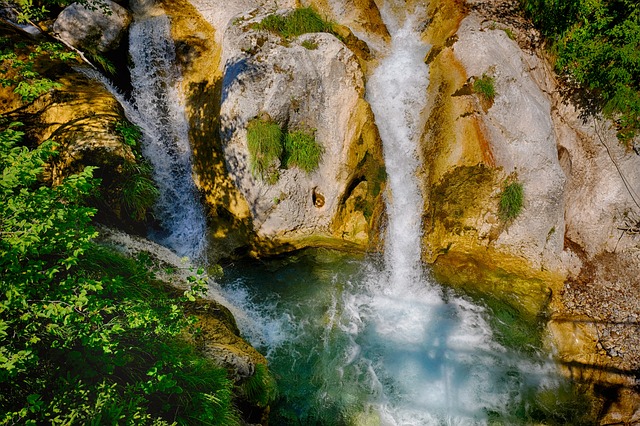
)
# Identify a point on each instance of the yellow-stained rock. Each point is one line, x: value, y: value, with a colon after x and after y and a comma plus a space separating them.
x: 199, y: 56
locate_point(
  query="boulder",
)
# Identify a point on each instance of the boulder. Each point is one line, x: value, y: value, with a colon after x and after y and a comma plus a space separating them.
x: 312, y: 83
x: 96, y: 29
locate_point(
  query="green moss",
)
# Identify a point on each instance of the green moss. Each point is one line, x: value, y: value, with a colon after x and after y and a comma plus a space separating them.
x: 309, y: 44
x: 458, y: 194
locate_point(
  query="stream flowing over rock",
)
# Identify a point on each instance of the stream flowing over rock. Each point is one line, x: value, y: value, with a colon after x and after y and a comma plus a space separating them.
x: 573, y: 251
x: 578, y: 225
x: 571, y: 256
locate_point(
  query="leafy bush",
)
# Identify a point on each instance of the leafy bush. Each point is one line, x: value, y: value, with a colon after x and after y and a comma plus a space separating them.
x: 301, y: 21
x: 301, y: 150
x: 41, y: 9
x: 86, y: 335
x: 130, y: 133
x: 511, y: 200
x: 270, y: 148
x: 264, y: 140
x: 485, y: 87
x: 596, y: 47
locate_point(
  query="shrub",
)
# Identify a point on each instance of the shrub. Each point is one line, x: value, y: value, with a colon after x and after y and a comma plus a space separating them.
x: 301, y: 150
x: 511, y: 200
x: 596, y: 49
x: 18, y: 67
x: 88, y: 336
x: 485, y: 87
x: 139, y: 192
x: 301, y: 21
x: 130, y: 133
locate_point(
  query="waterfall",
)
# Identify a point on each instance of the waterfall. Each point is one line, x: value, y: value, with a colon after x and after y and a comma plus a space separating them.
x: 157, y: 108
x: 378, y: 342
x: 161, y: 116
x: 396, y: 92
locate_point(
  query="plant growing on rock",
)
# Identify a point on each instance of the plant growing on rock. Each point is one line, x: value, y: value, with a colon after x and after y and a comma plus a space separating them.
x: 595, y: 46
x: 88, y: 336
x: 18, y: 67
x: 264, y: 140
x: 485, y: 87
x: 301, y: 21
x: 511, y: 200
x: 302, y: 150
x: 269, y: 148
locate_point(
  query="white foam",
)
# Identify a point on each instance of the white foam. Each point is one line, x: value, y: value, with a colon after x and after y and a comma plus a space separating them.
x: 159, y: 111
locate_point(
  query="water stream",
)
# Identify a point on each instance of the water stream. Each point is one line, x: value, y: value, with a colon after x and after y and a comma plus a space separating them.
x: 375, y: 341
x: 157, y: 108
x: 369, y: 341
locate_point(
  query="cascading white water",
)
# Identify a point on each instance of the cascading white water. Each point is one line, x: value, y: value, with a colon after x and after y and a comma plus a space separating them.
x: 397, y: 94
x: 159, y: 112
x: 157, y: 108
x: 383, y: 344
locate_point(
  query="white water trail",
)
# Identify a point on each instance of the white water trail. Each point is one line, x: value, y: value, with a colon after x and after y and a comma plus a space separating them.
x: 158, y: 109
x: 386, y: 345
x: 397, y: 94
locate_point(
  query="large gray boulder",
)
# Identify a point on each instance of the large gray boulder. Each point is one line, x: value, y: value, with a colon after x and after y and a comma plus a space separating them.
x: 312, y: 82
x: 98, y: 29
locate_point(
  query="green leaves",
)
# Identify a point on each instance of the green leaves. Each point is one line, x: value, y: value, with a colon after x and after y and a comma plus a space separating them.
x: 269, y: 147
x: 598, y: 47
x: 86, y: 335
x: 301, y: 21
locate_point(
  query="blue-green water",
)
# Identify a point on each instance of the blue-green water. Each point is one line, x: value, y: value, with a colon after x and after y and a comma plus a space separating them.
x: 345, y: 350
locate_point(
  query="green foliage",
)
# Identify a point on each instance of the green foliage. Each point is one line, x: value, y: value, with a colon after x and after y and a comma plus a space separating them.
x: 264, y: 140
x: 485, y: 87
x: 301, y: 150
x: 36, y: 10
x: 18, y: 67
x: 511, y: 200
x: 301, y: 21
x: 261, y: 388
x: 597, y: 46
x: 103, y: 62
x: 130, y: 133
x: 269, y: 148
x: 86, y: 335
x: 139, y: 192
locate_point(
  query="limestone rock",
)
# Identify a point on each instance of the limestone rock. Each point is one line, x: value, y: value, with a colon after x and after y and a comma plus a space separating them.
x: 522, y: 139
x: 319, y: 89
x: 98, y: 30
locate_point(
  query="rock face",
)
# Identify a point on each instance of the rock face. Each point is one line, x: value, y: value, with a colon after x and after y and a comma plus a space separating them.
x: 573, y: 251
x: 96, y: 31
x: 81, y: 116
x: 298, y: 88
x: 319, y: 89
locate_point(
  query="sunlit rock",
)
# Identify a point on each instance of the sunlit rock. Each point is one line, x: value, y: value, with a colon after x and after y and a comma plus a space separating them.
x: 96, y: 29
